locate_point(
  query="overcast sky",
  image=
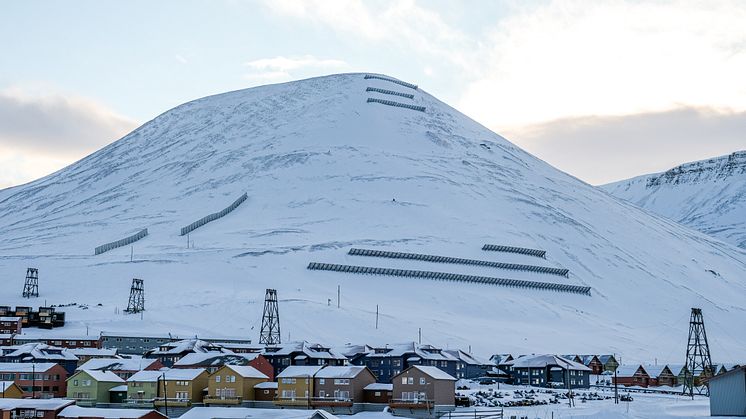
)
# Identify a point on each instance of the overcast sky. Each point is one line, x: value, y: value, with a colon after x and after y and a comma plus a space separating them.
x: 604, y: 90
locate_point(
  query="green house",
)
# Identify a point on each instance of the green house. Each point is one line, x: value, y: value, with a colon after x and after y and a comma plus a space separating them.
x: 89, y: 387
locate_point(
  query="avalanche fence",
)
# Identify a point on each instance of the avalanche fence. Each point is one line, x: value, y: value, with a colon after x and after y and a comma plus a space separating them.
x: 122, y: 242
x: 212, y: 217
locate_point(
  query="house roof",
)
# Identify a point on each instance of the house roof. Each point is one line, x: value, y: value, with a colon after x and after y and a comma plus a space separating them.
x: 41, y: 351
x: 9, y: 319
x: 113, y: 364
x: 267, y: 384
x: 90, y: 412
x: 379, y: 387
x: 186, y: 374
x: 433, y: 372
x: 349, y: 371
x: 311, y: 350
x: 654, y: 371
x: 467, y: 358
x: 105, y: 352
x: 187, y: 345
x: 605, y: 358
x: 100, y: 376
x: 38, y: 404
x: 738, y: 370
x: 323, y: 414
x: 26, y: 366
x: 628, y: 370
x: 6, y: 384
x: 299, y: 371
x: 244, y: 413
x: 209, y: 359
x: 542, y: 361
x: 676, y: 369
x: 247, y: 371
x: 117, y: 389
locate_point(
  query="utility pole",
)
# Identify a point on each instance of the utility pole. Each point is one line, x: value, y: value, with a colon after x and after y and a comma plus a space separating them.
x: 136, y: 302
x: 132, y: 253
x: 339, y: 291
x: 31, y: 286
x: 419, y: 335
x: 376, y: 316
x: 165, y: 394
x: 270, y: 332
x: 698, y: 360
x: 616, y: 388
x: 33, y: 381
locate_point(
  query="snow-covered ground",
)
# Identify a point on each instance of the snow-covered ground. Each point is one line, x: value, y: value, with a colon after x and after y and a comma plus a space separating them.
x: 707, y: 195
x: 326, y: 171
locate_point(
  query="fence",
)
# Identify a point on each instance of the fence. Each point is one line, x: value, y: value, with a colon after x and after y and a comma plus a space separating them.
x: 443, y: 276
x: 398, y: 104
x: 212, y: 217
x: 513, y: 249
x: 399, y: 82
x: 123, y: 242
x: 390, y: 92
x: 460, y: 261
x: 476, y: 414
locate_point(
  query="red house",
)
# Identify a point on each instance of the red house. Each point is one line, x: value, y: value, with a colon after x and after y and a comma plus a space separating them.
x: 631, y: 375
x: 37, y: 380
x: 32, y: 408
x: 10, y: 325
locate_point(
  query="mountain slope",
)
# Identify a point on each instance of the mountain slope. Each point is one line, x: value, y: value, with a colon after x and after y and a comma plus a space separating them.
x: 707, y: 195
x: 326, y: 171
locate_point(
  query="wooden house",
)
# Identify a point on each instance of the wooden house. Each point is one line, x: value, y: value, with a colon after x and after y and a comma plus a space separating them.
x: 37, y: 380
x: 77, y: 412
x: 549, y: 371
x: 631, y: 375
x: 10, y: 325
x: 660, y: 375
x: 266, y: 391
x: 124, y: 368
x: 212, y: 361
x: 175, y: 387
x: 679, y: 371
x: 340, y: 386
x: 295, y: 385
x: 378, y: 393
x: 609, y: 362
x: 39, y: 352
x: 423, y: 387
x: 592, y: 362
x: 10, y: 390
x: 171, y: 352
x: 32, y: 408
x: 89, y: 388
x: 233, y: 384
x: 302, y: 354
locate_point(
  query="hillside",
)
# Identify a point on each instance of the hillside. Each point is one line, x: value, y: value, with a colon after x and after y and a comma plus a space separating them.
x: 324, y: 171
x: 707, y: 195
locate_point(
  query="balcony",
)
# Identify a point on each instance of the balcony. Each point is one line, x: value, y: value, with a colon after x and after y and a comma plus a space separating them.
x: 330, y: 402
x: 223, y: 400
x: 172, y: 402
x: 292, y: 401
x: 411, y: 404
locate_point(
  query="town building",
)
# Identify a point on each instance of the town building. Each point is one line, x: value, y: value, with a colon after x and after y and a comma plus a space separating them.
x: 266, y: 391
x: 335, y: 386
x: 469, y: 366
x: 10, y: 325
x: 295, y: 385
x: 728, y: 393
x: 233, y: 384
x: 123, y: 367
x: 86, y: 354
x: 10, y: 390
x: 39, y: 352
x: 37, y: 380
x: 67, y: 342
x: 423, y: 387
x: 181, y: 387
x: 32, y: 408
x: 549, y: 371
x: 660, y: 375
x: 302, y: 354
x: 212, y: 361
x: 389, y: 360
x: 77, y: 412
x: 171, y: 352
x: 378, y: 393
x: 609, y: 362
x: 631, y: 375
x: 89, y: 387
x: 679, y: 371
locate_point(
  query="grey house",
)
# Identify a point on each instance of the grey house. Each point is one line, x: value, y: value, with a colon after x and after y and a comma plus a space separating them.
x: 728, y: 393
x: 549, y: 371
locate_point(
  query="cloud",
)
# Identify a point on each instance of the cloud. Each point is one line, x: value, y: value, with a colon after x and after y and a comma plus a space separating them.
x: 43, y: 133
x: 602, y: 149
x: 571, y: 58
x: 277, y: 69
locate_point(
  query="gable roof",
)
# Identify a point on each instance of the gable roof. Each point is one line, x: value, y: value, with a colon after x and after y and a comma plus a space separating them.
x: 186, y: 374
x: 433, y: 372
x: 654, y: 371
x: 350, y: 371
x: 129, y: 364
x: 38, y: 404
x: 100, y: 376
x: 91, y: 412
x: 628, y: 370
x: 211, y: 359
x: 267, y: 384
x: 676, y: 369
x: 299, y: 371
x: 548, y: 360
x: 247, y: 371
x: 26, y: 366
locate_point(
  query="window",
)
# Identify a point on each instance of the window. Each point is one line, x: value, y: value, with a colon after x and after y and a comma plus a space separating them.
x: 422, y: 381
x: 182, y: 395
x: 217, y: 378
x: 322, y: 393
x: 377, y: 393
x: 341, y: 381
x: 75, y: 382
x: 404, y: 381
x: 410, y: 380
x: 321, y: 381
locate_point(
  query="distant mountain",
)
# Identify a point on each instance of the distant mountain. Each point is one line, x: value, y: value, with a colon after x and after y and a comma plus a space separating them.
x: 353, y: 161
x: 707, y: 195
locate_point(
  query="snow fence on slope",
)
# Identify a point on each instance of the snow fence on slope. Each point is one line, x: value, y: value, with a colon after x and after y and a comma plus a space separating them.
x: 122, y: 242
x: 214, y: 216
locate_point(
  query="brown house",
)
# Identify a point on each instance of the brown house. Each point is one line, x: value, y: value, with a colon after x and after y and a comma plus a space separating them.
x: 10, y: 390
x: 660, y: 375
x: 592, y: 362
x: 32, y: 408
x: 420, y: 387
x: 10, y: 325
x: 631, y: 375
x: 340, y: 386
x: 77, y: 412
x: 212, y: 361
x: 378, y: 393
x: 181, y: 387
x: 295, y: 385
x: 37, y: 380
x: 232, y: 384
x: 266, y: 391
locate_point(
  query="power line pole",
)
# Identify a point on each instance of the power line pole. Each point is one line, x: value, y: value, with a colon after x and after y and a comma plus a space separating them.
x: 339, y: 290
x: 31, y: 286
x: 376, y: 316
x: 270, y: 332
x: 698, y: 360
x: 136, y: 302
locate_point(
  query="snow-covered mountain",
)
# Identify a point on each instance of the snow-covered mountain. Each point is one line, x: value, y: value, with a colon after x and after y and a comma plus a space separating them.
x: 707, y: 195
x: 326, y: 170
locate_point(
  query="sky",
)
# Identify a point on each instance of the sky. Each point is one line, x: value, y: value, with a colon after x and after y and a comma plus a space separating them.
x: 604, y: 90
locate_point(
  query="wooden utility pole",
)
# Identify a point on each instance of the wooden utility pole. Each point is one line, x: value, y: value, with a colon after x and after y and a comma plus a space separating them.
x: 376, y: 316
x: 339, y: 291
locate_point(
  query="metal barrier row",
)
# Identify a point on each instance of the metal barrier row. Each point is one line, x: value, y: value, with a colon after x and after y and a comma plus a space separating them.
x: 461, y: 261
x: 390, y: 92
x: 212, y: 217
x: 399, y: 82
x: 513, y: 249
x: 444, y: 276
x: 122, y: 242
x: 398, y: 104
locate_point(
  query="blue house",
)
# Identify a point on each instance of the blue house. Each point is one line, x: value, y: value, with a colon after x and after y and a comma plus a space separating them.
x: 302, y: 354
x: 40, y: 353
x: 549, y: 371
x: 390, y: 360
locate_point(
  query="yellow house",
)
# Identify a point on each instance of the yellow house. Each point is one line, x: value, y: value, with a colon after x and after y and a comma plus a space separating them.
x: 232, y: 384
x: 295, y: 385
x: 181, y: 387
x: 10, y: 390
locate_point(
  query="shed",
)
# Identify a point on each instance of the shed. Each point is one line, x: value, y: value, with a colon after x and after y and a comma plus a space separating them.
x: 728, y: 393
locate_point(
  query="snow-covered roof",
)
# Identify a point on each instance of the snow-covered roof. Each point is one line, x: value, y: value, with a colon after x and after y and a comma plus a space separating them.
x: 26, y: 366
x: 542, y: 361
x: 38, y: 404
x: 605, y: 358
x: 244, y: 413
x: 654, y: 370
x: 627, y: 370
x: 299, y: 371
x: 379, y: 387
x: 206, y: 359
x: 323, y: 414
x: 105, y: 352
x: 127, y: 364
x: 6, y: 384
x: 186, y: 374
x: 121, y: 388
x: 38, y: 351
x: 187, y: 345
x: 247, y: 371
x: 107, y: 413
x: 467, y: 358
x: 100, y: 376
x: 311, y: 350
x: 349, y: 371
x: 676, y: 369
x: 9, y: 319
x: 434, y: 372
x: 266, y: 384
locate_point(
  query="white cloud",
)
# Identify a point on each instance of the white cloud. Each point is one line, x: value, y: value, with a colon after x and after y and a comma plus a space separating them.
x: 277, y: 69
x: 43, y: 133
